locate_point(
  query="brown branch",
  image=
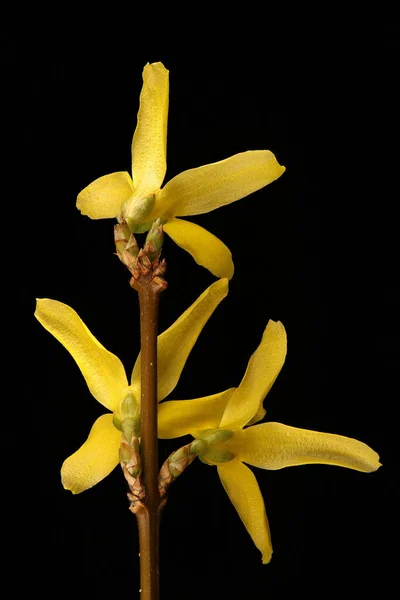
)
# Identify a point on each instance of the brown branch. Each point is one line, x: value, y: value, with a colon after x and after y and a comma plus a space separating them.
x: 148, y: 280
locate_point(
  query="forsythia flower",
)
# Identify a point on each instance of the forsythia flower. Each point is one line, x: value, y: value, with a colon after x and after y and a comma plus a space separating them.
x: 140, y: 200
x: 218, y: 424
x: 106, y: 378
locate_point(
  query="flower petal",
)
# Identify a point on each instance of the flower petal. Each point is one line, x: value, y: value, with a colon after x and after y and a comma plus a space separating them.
x: 98, y: 456
x: 242, y: 488
x: 102, y: 199
x: 206, y: 249
x: 206, y: 188
x: 180, y: 417
x: 262, y: 370
x: 102, y: 370
x: 275, y: 446
x: 149, y: 145
x: 175, y: 344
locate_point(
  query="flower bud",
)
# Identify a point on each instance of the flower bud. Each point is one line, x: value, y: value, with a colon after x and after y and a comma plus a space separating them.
x: 154, y: 240
x: 126, y: 244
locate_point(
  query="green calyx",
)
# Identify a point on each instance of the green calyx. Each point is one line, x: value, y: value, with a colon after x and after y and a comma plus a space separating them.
x: 145, y: 225
x: 135, y: 210
x: 127, y: 419
x: 210, y: 447
x: 217, y: 455
x: 139, y: 227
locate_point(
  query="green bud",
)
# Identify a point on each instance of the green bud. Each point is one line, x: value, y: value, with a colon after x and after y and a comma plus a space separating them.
x: 154, y: 240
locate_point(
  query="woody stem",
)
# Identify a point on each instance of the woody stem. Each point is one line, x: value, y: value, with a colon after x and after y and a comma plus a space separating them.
x: 148, y: 280
x: 148, y: 516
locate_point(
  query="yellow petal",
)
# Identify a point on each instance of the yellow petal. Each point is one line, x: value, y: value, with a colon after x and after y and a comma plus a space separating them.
x: 206, y: 188
x: 175, y: 344
x: 103, y: 371
x: 274, y: 446
x: 180, y: 417
x: 149, y: 145
x: 242, y: 488
x: 206, y: 249
x: 102, y: 198
x: 98, y: 456
x: 262, y: 370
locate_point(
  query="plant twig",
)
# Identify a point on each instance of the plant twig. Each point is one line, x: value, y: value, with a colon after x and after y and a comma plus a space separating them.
x: 148, y: 280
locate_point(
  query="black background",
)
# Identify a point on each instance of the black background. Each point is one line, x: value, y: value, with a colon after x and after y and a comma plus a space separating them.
x: 316, y: 250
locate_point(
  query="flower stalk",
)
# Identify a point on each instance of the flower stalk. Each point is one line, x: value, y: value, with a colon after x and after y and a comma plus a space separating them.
x: 148, y: 280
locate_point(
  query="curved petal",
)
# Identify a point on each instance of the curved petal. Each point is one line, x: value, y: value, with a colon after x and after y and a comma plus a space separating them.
x: 206, y: 188
x: 242, y: 488
x: 262, y: 370
x: 149, y: 144
x: 98, y: 456
x: 180, y: 417
x: 102, y: 370
x: 102, y: 199
x: 206, y: 249
x: 175, y: 344
x: 275, y: 446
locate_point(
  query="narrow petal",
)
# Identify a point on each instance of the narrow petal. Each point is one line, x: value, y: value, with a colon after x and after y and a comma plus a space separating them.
x: 98, y: 456
x: 149, y: 145
x: 175, y: 344
x: 206, y: 188
x: 206, y: 249
x: 262, y: 370
x: 242, y: 488
x: 102, y: 370
x: 180, y: 417
x: 275, y: 446
x: 102, y: 199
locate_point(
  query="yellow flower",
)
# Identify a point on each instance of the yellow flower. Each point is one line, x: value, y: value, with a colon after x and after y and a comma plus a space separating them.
x: 141, y: 200
x: 107, y: 381
x: 223, y: 438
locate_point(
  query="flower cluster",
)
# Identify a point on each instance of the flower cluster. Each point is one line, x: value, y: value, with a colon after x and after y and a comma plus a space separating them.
x: 223, y: 425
